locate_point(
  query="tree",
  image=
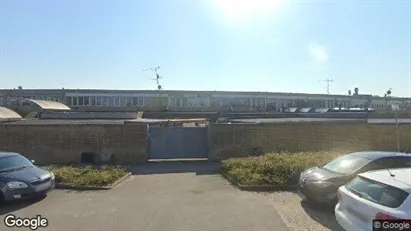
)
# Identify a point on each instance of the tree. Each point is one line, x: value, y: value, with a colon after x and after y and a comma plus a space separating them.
x: 356, y: 91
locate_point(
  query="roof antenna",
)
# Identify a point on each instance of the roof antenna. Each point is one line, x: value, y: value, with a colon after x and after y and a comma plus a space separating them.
x: 157, y: 78
x: 391, y: 175
x: 406, y: 150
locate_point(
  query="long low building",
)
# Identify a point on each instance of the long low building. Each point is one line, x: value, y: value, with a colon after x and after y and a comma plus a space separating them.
x: 174, y: 100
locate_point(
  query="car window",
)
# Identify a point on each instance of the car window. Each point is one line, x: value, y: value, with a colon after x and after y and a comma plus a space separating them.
x: 376, y: 192
x: 346, y: 164
x: 392, y: 162
x: 400, y: 162
x: 13, y: 162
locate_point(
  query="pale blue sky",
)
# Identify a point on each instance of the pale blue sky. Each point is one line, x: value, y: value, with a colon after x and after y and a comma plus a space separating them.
x: 284, y: 46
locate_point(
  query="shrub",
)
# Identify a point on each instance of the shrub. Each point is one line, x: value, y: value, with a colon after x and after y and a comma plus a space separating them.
x: 87, y: 176
x: 274, y: 168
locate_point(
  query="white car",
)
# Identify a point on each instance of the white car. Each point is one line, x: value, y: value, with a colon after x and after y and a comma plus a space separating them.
x: 381, y: 194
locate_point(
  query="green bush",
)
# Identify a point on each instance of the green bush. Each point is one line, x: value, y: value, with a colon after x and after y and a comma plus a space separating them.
x: 87, y: 176
x: 274, y: 168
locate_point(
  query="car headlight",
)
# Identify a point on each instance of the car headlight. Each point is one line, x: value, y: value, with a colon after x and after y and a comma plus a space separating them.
x: 323, y: 184
x: 17, y: 185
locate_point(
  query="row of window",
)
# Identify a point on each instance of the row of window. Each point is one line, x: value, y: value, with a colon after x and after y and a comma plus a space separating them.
x: 126, y: 101
x: 109, y: 101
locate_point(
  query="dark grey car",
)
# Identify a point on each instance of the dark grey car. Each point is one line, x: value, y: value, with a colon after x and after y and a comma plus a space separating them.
x: 320, y: 184
x: 21, y: 179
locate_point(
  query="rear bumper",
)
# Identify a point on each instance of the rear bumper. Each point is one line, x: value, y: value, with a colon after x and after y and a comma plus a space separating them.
x: 27, y: 193
x: 347, y: 223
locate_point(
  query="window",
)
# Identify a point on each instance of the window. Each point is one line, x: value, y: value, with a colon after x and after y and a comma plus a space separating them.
x: 129, y: 101
x: 68, y: 100
x: 122, y: 101
x: 395, y: 162
x: 13, y: 162
x: 172, y: 102
x: 346, y: 164
x: 110, y: 101
x: 376, y: 192
x: 146, y: 101
x: 214, y: 102
x: 135, y: 101
x: 75, y: 101
x: 98, y: 101
x: 105, y: 101
x: 92, y: 100
x: 86, y: 101
x: 80, y: 100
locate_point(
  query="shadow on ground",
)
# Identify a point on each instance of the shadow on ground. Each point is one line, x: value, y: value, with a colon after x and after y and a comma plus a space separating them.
x: 163, y: 167
x: 322, y: 214
x: 15, y: 206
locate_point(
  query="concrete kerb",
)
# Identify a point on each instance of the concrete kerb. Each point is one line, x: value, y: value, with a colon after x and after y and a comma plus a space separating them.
x: 256, y: 188
x: 88, y: 187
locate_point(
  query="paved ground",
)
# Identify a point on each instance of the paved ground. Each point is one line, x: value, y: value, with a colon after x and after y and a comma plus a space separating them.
x: 299, y: 215
x: 189, y: 197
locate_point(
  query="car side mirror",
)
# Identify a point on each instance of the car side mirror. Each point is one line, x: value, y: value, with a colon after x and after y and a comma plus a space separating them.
x: 33, y: 161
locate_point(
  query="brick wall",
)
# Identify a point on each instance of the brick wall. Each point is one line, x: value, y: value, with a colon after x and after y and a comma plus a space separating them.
x: 51, y: 143
x: 64, y: 143
x: 235, y: 140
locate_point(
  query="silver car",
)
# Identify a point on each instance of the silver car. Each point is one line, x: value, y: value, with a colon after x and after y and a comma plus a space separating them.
x: 21, y: 179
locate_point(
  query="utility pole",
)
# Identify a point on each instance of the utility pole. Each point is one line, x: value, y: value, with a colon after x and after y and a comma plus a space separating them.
x: 328, y: 81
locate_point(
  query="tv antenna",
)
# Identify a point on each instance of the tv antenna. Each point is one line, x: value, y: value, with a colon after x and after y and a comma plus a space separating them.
x: 157, y: 78
x: 328, y: 81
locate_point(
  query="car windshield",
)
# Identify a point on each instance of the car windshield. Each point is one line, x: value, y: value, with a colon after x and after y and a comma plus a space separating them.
x: 13, y: 162
x: 346, y: 164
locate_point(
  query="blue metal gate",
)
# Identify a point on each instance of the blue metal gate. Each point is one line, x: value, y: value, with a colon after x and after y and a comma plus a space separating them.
x: 178, y: 142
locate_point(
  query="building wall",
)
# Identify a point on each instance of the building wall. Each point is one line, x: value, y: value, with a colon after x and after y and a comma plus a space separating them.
x: 235, y: 140
x: 53, y: 144
x: 193, y: 100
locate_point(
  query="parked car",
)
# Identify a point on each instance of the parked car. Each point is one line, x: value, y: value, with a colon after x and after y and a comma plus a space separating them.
x: 21, y: 179
x: 381, y: 194
x: 320, y: 184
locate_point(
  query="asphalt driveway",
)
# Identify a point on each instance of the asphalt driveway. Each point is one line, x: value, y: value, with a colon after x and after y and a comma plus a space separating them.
x: 162, y: 196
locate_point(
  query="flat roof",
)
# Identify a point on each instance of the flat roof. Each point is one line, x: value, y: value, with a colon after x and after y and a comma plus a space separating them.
x: 360, y: 96
x: 148, y: 121
x: 57, y: 121
x: 103, y: 121
x: 292, y: 120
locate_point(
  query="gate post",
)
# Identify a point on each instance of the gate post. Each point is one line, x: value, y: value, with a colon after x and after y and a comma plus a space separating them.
x: 209, y: 158
x: 148, y: 141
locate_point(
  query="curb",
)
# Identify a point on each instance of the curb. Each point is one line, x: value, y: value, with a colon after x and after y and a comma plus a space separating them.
x: 256, y: 188
x: 88, y: 187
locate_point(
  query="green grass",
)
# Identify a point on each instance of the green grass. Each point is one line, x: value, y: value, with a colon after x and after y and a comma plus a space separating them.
x: 274, y: 168
x: 86, y: 176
